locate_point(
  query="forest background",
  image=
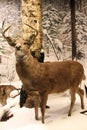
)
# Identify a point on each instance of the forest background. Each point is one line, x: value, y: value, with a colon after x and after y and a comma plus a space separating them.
x: 56, y: 23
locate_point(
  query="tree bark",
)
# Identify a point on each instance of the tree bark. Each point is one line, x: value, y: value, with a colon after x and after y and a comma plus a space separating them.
x: 73, y: 30
x: 32, y: 15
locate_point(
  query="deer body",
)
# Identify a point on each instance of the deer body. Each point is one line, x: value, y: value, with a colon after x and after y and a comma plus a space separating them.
x: 47, y: 77
x: 51, y: 77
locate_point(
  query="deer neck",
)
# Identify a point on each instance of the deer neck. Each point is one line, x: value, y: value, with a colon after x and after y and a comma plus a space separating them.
x: 20, y: 59
x: 26, y: 60
x: 26, y: 68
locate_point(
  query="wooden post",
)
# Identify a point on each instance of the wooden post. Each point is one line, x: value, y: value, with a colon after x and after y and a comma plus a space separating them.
x: 32, y: 15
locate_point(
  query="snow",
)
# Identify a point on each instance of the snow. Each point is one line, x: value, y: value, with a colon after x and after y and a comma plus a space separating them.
x: 56, y: 117
x: 57, y: 25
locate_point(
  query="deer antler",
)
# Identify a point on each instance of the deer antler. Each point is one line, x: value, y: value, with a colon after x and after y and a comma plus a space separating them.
x: 9, y: 39
x: 33, y: 36
x: 32, y: 28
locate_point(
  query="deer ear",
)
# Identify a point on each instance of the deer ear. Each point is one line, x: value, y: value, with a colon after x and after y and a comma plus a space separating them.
x: 11, y: 42
x: 31, y: 39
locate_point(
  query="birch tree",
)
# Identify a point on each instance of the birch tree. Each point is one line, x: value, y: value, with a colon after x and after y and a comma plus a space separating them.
x: 31, y: 15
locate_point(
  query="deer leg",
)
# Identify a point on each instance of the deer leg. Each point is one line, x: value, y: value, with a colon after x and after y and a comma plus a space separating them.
x: 43, y: 104
x: 81, y: 94
x: 36, y: 112
x: 72, y: 93
x: 47, y: 107
x: 37, y: 104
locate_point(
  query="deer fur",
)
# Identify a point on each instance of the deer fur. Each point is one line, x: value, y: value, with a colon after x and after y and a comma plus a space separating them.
x: 47, y: 77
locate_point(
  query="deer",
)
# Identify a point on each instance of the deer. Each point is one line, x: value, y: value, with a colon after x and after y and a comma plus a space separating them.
x: 7, y: 91
x: 47, y: 77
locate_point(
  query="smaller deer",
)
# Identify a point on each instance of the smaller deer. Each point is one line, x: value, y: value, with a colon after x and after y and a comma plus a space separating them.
x: 5, y: 91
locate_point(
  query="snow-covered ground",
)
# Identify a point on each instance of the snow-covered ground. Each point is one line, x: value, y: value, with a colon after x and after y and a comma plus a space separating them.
x: 55, y: 118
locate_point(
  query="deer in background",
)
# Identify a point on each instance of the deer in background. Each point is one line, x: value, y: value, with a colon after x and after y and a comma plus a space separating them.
x: 47, y: 77
x: 5, y: 92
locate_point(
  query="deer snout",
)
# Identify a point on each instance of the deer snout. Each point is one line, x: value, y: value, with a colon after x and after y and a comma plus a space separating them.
x: 18, y: 47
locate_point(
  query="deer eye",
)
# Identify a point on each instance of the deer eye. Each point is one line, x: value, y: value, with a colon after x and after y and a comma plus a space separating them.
x: 25, y: 43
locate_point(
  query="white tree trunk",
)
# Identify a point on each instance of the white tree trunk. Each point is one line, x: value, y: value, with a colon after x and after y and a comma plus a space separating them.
x: 31, y: 14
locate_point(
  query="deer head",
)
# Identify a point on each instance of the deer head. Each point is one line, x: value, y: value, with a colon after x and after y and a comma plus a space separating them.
x: 21, y: 45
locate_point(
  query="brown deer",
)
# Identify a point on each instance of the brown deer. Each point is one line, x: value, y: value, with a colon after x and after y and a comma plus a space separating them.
x: 47, y: 77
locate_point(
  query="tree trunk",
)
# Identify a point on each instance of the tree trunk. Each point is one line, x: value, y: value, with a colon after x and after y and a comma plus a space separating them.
x: 73, y: 30
x: 31, y: 15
